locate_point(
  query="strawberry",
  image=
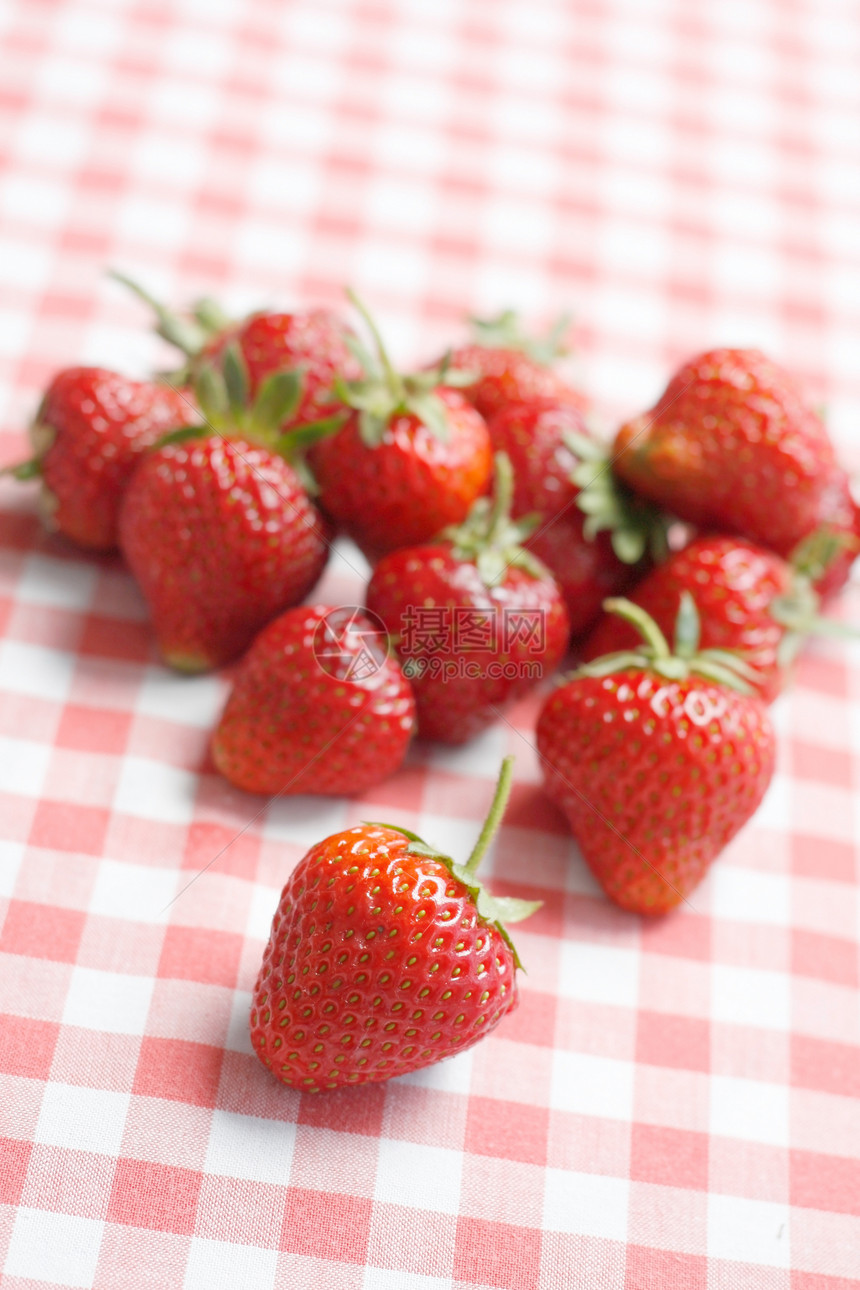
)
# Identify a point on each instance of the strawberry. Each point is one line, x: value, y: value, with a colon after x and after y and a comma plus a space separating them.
x: 748, y: 599
x: 317, y: 706
x: 508, y: 367
x: 558, y: 469
x: 655, y: 761
x: 217, y: 528
x: 732, y: 446
x: 314, y: 342
x: 476, y: 619
x: 410, y: 458
x: 384, y: 956
x: 91, y: 427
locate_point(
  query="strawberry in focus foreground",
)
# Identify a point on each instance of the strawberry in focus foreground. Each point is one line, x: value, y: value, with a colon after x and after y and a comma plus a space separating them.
x: 318, y: 705
x: 657, y: 759
x: 385, y: 956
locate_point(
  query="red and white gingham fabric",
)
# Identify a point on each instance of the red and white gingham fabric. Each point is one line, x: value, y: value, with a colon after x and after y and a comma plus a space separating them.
x: 675, y: 1105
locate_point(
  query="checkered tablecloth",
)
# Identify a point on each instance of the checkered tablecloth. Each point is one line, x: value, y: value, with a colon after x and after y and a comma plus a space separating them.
x: 675, y: 1105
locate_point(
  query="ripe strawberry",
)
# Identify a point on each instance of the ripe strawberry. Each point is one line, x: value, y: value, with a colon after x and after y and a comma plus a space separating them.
x: 314, y: 342
x: 558, y: 469
x: 506, y: 366
x: 748, y: 599
x: 91, y: 427
x: 731, y: 445
x: 410, y: 458
x: 218, y: 530
x: 476, y: 620
x: 384, y: 956
x: 656, y: 763
x: 317, y: 706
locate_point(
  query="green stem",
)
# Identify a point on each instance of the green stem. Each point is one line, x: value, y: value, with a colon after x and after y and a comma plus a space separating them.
x: 643, y: 623
x: 185, y: 335
x: 503, y: 495
x: 494, y: 816
x: 392, y: 378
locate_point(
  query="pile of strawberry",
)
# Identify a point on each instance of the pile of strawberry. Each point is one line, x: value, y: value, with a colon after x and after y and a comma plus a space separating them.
x: 499, y: 529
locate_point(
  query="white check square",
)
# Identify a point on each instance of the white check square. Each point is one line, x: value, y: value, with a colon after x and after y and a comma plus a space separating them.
x: 599, y: 973
x: 247, y: 1146
x: 751, y: 1110
x: 59, y: 1248
x: 589, y: 1085
x: 750, y: 997
x: 82, y: 1119
x: 133, y: 891
x: 156, y: 791
x: 221, y: 1265
x: 586, y: 1204
x: 109, y: 1001
x: 418, y: 1176
x: 748, y: 1231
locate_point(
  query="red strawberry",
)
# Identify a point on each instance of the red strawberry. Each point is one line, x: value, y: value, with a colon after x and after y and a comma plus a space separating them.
x: 411, y: 457
x: 314, y: 342
x: 731, y: 445
x: 749, y: 600
x: 476, y: 620
x: 559, y: 468
x: 218, y: 530
x: 384, y: 956
x: 90, y: 429
x: 317, y: 706
x: 508, y: 367
x: 656, y: 762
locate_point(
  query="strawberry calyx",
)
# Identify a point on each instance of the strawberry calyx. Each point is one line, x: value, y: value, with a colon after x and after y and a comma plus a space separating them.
x: 493, y: 910
x: 797, y: 608
x: 189, y: 333
x: 815, y: 553
x: 726, y: 667
x: 383, y: 392
x: 223, y: 395
x: 489, y: 538
x: 636, y: 527
x: 503, y: 331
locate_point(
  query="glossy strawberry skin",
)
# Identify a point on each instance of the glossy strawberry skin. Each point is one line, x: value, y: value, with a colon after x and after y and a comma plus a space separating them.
x: 90, y: 430
x: 221, y: 537
x: 586, y: 571
x: 454, y: 705
x: 409, y: 487
x: 292, y: 725
x: 377, y: 964
x: 731, y: 445
x: 313, y: 340
x: 655, y: 777
x: 734, y: 583
x: 508, y: 376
